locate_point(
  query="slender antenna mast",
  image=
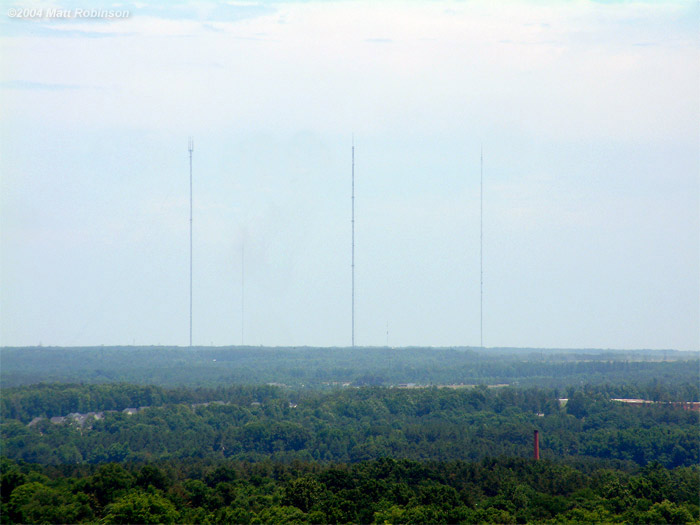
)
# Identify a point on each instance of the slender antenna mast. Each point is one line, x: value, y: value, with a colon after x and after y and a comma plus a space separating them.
x: 242, y: 291
x: 481, y: 254
x: 190, y: 147
x: 353, y: 240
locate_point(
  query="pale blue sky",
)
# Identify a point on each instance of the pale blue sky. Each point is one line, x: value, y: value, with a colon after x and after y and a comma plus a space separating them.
x: 587, y: 112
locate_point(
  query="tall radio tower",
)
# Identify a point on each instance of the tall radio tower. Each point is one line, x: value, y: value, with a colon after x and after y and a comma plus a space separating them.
x: 242, y: 291
x: 481, y: 253
x: 190, y: 147
x: 353, y: 241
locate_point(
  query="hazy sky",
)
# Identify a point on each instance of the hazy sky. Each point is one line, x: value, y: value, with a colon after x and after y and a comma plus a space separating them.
x: 588, y: 114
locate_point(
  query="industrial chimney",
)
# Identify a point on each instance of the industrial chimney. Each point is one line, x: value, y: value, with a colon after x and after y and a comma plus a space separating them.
x: 537, y: 445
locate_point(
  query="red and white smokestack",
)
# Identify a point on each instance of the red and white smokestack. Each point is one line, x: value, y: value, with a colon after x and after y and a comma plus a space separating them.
x: 537, y: 445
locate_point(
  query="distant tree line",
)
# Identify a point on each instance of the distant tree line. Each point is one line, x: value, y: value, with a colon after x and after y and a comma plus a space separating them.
x: 321, y: 367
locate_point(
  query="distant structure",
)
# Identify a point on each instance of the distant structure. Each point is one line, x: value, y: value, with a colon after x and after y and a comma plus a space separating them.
x: 242, y: 292
x: 481, y: 253
x: 190, y: 147
x: 352, y: 264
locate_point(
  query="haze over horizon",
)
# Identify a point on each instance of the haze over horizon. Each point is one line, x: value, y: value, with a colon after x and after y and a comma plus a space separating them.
x: 588, y: 114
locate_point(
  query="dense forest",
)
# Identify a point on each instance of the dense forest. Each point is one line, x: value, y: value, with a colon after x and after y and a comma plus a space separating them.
x: 344, y: 425
x: 123, y: 435
x: 495, y: 490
